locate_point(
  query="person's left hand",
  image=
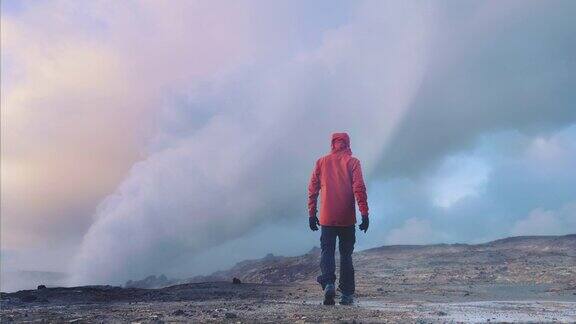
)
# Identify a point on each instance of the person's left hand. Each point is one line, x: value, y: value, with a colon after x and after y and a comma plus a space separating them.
x: 313, y: 222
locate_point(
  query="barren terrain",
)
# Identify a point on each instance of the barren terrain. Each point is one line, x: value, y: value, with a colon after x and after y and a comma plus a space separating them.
x: 522, y: 279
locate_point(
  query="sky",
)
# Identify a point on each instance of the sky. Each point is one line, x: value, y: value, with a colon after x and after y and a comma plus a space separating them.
x: 149, y: 137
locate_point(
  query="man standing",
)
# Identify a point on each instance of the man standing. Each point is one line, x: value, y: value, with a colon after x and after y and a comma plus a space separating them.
x: 338, y: 178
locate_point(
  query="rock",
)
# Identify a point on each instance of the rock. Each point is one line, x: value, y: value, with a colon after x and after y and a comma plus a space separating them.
x: 41, y: 287
x: 236, y: 281
x: 441, y: 313
x: 231, y: 315
x: 178, y: 312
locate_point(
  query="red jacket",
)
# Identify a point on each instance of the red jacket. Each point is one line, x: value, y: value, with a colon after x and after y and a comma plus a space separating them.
x: 338, y: 177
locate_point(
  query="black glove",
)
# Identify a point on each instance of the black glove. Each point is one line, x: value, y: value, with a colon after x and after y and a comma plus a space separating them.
x: 314, y: 222
x: 365, y: 222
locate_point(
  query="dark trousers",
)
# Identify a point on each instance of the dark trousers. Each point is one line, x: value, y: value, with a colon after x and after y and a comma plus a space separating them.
x: 346, y: 239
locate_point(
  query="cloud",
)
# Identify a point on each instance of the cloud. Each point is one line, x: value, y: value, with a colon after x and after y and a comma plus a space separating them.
x: 523, y: 194
x: 245, y: 163
x: 82, y: 84
x: 458, y: 177
x: 539, y: 222
x: 547, y: 222
x: 494, y: 68
x: 414, y: 231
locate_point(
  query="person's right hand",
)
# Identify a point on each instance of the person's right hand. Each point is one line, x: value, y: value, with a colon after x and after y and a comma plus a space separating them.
x: 313, y: 222
x: 365, y: 223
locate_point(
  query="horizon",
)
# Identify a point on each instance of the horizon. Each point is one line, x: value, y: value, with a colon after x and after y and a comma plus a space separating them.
x: 157, y: 275
x: 141, y: 138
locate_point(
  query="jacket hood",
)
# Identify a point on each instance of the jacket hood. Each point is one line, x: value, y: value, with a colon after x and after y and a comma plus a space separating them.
x: 342, y: 136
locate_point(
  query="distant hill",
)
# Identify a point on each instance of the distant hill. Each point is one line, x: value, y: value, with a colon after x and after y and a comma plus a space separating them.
x: 523, y: 259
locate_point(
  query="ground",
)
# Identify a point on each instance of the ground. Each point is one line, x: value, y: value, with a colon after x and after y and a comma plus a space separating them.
x: 522, y: 279
x: 277, y: 303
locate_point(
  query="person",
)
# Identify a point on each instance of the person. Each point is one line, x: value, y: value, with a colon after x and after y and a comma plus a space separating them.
x: 337, y: 177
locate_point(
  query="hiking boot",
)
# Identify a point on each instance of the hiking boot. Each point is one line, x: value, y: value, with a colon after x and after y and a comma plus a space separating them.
x: 329, y: 294
x: 346, y: 300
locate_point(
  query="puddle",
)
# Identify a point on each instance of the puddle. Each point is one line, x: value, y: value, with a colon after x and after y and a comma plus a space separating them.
x: 483, y: 311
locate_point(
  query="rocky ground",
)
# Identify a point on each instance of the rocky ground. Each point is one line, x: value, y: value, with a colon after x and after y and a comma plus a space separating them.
x: 524, y: 279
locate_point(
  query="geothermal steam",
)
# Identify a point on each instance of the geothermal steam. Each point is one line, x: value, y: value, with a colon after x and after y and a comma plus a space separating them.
x: 249, y: 160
